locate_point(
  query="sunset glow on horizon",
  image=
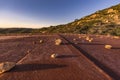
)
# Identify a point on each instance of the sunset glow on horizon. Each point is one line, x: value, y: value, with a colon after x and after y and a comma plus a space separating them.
x: 14, y: 20
x: 45, y: 13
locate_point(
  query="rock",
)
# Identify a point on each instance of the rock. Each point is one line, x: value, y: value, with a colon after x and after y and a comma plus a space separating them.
x: 87, y: 38
x: 58, y: 41
x: 54, y: 56
x: 90, y: 40
x: 110, y: 10
x: 108, y: 46
x: 116, y: 37
x: 41, y: 41
x: 6, y: 66
x: 79, y: 37
x: 28, y: 51
x: 76, y: 43
x: 74, y: 39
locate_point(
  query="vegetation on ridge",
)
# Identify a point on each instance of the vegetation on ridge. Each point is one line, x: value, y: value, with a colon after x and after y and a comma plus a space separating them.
x: 105, y: 21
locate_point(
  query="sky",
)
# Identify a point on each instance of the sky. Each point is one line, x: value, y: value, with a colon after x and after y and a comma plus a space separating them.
x: 45, y: 13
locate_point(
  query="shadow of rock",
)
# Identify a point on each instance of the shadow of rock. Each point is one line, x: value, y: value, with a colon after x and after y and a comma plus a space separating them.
x: 91, y: 43
x: 65, y: 43
x: 32, y: 67
x: 67, y: 56
x: 115, y: 48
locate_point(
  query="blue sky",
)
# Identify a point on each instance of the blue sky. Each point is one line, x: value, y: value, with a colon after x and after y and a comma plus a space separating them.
x: 44, y: 13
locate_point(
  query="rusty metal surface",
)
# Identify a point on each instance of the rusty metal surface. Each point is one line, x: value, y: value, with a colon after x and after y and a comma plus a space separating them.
x: 33, y: 60
x: 106, y: 59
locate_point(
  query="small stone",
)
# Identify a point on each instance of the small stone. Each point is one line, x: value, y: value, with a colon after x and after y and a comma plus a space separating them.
x: 28, y: 51
x: 6, y: 66
x: 79, y: 37
x: 41, y: 41
x: 74, y: 39
x: 90, y: 40
x: 54, y: 56
x: 116, y: 37
x: 108, y: 46
x: 58, y: 41
x: 87, y: 38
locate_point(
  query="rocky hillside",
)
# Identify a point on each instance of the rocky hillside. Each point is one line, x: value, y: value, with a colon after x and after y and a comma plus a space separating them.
x: 105, y: 21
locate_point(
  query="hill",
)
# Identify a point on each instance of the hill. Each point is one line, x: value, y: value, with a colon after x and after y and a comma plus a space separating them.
x: 105, y: 21
x: 102, y: 22
x: 15, y: 30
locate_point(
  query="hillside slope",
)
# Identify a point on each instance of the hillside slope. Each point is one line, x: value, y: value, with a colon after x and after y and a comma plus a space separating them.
x: 15, y: 30
x: 105, y: 21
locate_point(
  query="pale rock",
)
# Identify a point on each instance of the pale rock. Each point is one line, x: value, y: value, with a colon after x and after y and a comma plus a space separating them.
x: 87, y: 38
x: 108, y: 46
x: 90, y: 40
x: 74, y: 39
x: 41, y: 41
x: 58, y: 41
x: 116, y: 37
x: 54, y: 56
x: 6, y: 66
